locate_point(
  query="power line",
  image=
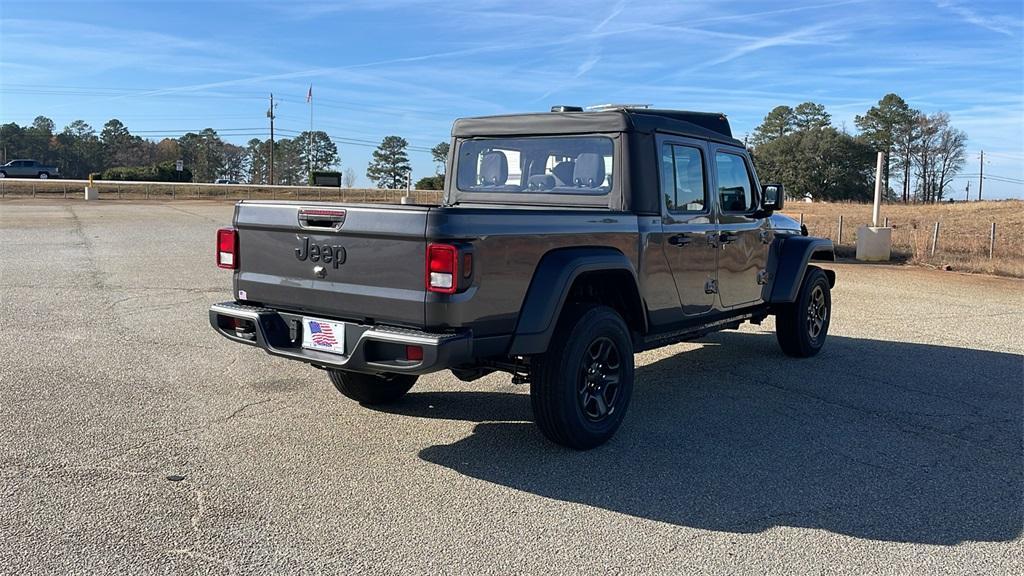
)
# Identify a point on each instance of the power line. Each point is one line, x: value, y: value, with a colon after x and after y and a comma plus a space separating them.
x: 1005, y: 180
x: 65, y: 90
x: 359, y: 142
x: 1003, y: 155
x: 218, y: 130
x: 993, y: 177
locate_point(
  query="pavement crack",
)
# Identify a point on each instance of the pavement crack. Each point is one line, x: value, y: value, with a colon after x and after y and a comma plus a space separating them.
x: 247, y: 406
x: 193, y: 551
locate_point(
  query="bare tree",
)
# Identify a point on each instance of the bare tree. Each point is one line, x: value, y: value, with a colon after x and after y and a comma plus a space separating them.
x: 926, y: 137
x: 939, y: 154
x: 950, y: 157
x: 348, y: 179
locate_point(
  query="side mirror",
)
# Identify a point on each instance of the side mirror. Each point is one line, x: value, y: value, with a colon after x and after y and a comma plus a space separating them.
x: 773, y: 197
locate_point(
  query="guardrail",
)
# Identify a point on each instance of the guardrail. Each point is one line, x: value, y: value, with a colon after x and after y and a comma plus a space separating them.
x: 134, y: 190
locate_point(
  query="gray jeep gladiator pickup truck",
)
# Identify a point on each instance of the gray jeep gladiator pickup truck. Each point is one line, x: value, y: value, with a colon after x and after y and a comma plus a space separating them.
x: 566, y: 242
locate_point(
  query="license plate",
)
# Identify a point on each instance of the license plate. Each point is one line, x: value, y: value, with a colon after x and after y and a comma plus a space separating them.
x: 323, y: 335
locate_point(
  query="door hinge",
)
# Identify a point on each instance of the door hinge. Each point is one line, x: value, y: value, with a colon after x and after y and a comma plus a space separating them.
x: 711, y: 286
x: 763, y: 277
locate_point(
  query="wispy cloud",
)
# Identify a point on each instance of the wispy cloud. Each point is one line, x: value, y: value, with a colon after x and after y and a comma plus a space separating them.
x: 998, y: 24
x: 820, y: 33
x: 747, y: 16
x: 581, y: 70
x: 611, y: 16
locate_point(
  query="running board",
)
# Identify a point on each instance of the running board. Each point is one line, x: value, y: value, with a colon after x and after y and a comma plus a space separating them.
x: 666, y: 338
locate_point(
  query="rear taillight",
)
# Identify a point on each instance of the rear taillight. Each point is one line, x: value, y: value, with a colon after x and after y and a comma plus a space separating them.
x: 442, y: 268
x: 227, y: 248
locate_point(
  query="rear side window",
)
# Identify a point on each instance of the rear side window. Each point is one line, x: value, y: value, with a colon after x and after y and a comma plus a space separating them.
x: 735, y: 194
x: 682, y: 179
x: 581, y: 165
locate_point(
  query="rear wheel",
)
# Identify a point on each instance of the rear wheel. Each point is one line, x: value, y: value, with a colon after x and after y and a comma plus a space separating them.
x: 43, y: 175
x: 801, y: 327
x: 580, y: 388
x: 3, y: 174
x: 371, y: 388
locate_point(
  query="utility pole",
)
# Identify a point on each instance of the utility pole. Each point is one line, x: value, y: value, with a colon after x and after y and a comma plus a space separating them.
x: 981, y: 174
x: 967, y: 196
x: 270, y: 114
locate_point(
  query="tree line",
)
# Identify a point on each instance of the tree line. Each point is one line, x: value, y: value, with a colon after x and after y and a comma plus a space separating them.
x: 796, y: 146
x: 116, y: 154
x: 800, y: 148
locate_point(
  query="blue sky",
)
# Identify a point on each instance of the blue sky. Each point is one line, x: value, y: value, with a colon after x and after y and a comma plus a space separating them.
x: 409, y: 68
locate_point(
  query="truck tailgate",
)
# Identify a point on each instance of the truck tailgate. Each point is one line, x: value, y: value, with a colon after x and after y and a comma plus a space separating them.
x: 356, y: 262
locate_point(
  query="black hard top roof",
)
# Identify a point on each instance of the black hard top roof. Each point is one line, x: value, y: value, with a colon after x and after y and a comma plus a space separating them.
x: 706, y: 125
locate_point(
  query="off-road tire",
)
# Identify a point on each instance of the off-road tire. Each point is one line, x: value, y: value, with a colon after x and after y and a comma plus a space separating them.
x: 565, y: 392
x: 370, y: 389
x: 801, y: 327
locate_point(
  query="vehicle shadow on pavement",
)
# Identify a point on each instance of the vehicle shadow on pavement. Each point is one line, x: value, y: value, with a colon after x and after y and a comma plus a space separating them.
x: 872, y: 439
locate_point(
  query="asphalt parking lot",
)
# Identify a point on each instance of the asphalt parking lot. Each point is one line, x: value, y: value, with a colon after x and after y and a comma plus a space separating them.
x: 900, y: 449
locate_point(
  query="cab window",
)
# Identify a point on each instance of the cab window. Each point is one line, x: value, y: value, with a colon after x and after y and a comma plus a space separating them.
x: 550, y: 165
x: 735, y: 194
x: 682, y: 180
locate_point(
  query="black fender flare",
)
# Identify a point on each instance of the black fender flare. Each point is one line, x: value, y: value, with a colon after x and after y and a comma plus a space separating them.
x: 550, y: 287
x: 790, y: 258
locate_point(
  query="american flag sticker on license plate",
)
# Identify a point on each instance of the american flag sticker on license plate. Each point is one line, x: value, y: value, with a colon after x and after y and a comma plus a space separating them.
x: 323, y: 335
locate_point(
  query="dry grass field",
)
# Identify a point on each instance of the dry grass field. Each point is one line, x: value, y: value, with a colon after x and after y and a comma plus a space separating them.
x: 964, y: 227
x: 963, y: 243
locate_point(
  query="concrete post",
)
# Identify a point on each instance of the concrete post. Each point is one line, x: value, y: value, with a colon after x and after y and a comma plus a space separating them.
x: 874, y: 243
x: 878, y: 190
x: 992, y: 241
x: 91, y: 193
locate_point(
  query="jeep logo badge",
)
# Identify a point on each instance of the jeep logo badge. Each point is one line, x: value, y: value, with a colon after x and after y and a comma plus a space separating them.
x: 334, y: 255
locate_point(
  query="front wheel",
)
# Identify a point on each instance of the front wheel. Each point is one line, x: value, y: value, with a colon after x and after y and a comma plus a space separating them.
x: 3, y: 174
x: 43, y: 175
x: 371, y: 388
x: 801, y: 327
x: 580, y: 388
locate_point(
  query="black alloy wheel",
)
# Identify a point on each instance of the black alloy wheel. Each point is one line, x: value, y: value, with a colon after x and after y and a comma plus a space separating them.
x: 600, y: 375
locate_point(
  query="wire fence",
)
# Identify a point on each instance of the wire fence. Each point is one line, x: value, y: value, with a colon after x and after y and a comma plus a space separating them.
x: 923, y: 239
x: 117, y: 190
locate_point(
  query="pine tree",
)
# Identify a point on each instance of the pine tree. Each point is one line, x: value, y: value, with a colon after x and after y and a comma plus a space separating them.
x: 888, y: 126
x: 390, y: 165
x: 778, y: 123
x: 440, y: 155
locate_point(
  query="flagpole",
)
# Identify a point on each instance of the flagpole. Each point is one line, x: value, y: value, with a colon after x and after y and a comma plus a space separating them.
x: 310, y: 167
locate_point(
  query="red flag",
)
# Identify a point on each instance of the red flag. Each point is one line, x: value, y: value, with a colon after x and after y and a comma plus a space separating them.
x: 309, y: 95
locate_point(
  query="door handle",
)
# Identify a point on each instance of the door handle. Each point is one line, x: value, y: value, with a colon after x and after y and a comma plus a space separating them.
x: 726, y: 238
x: 680, y: 240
